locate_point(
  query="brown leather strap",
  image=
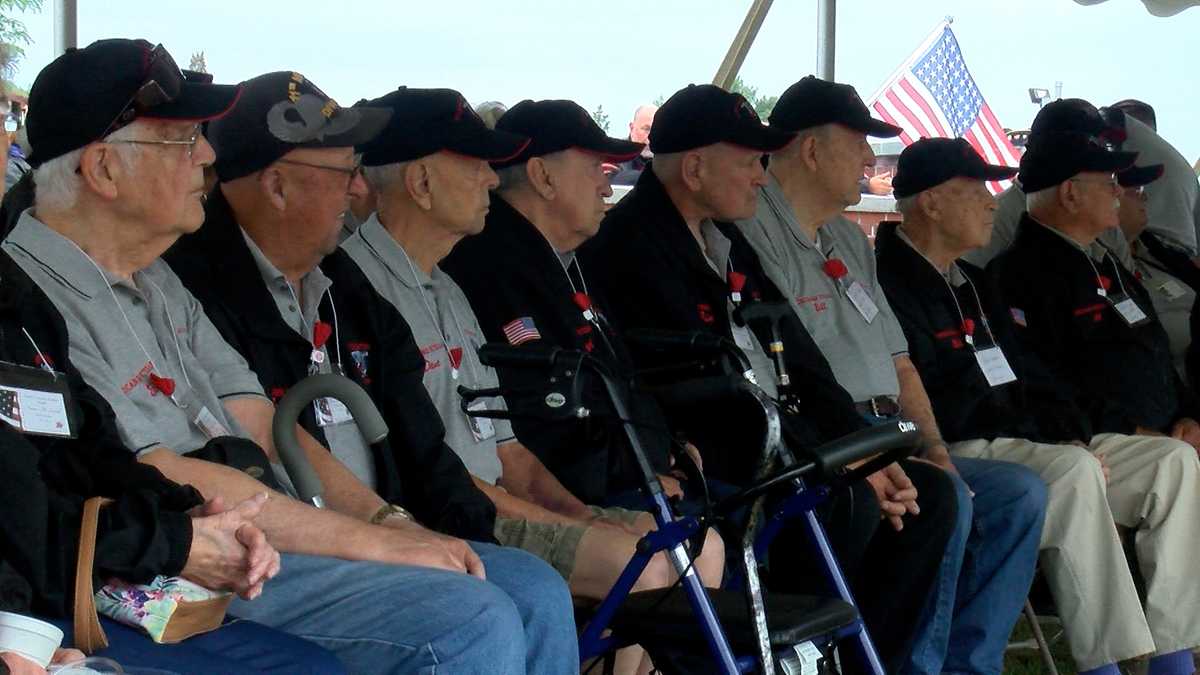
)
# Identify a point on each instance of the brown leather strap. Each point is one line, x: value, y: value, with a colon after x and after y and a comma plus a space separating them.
x: 89, y: 635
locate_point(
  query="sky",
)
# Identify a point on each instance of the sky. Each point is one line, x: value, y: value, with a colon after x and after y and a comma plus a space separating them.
x: 621, y: 53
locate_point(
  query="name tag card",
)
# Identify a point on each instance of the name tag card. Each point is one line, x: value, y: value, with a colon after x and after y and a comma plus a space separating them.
x: 482, y: 428
x: 209, y: 424
x: 330, y: 411
x: 1172, y: 289
x: 1128, y: 308
x: 35, y: 401
x: 995, y: 366
x: 862, y: 301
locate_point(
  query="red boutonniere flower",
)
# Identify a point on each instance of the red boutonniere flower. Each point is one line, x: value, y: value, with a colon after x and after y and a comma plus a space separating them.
x: 968, y: 327
x: 164, y: 384
x: 1105, y: 282
x: 835, y: 268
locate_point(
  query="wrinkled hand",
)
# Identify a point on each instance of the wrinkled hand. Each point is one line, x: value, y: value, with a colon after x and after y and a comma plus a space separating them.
x: 228, y: 550
x: 671, y: 485
x: 896, y: 494
x: 412, y: 544
x: 1188, y: 431
x: 1103, y: 467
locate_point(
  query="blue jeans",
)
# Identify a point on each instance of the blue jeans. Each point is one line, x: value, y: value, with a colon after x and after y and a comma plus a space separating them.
x: 237, y: 648
x: 381, y: 618
x: 987, y: 571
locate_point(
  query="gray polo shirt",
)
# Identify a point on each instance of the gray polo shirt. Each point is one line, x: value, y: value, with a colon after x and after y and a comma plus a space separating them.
x: 442, y: 320
x: 180, y: 341
x: 1010, y: 206
x: 1173, y: 201
x: 860, y: 353
x: 1172, y: 300
x: 716, y: 254
x: 342, y: 437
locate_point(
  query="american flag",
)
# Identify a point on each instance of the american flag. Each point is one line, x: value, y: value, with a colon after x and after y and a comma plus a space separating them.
x: 520, y: 331
x: 932, y: 94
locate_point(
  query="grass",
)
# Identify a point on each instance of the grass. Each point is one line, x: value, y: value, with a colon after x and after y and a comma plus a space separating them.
x: 1028, y: 661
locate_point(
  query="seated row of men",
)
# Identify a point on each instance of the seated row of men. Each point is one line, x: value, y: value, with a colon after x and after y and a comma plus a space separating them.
x: 1049, y: 407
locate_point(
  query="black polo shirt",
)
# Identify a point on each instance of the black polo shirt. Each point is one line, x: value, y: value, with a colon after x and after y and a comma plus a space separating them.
x: 413, y: 466
x: 653, y: 271
x: 1121, y: 375
x: 510, y: 272
x: 936, y: 312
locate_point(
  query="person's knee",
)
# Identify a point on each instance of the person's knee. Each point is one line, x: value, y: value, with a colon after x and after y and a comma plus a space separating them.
x: 712, y: 559
x: 1029, y: 492
x: 657, y: 574
x: 1074, y: 471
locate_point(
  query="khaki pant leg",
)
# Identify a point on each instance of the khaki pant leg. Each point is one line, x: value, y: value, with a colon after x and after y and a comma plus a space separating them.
x: 1082, y: 557
x: 1154, y: 487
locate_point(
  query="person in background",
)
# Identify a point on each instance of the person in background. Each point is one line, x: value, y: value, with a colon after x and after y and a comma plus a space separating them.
x: 639, y: 132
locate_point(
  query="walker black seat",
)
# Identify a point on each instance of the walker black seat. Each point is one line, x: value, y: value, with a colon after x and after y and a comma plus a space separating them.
x: 670, y: 620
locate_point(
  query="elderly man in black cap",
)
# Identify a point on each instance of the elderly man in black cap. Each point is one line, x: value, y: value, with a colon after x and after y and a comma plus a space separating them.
x: 666, y: 261
x: 1077, y: 306
x: 998, y: 401
x: 824, y: 265
x: 115, y: 188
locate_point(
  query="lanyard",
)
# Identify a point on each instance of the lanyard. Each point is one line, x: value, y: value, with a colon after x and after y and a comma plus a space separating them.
x: 319, y: 331
x: 966, y: 325
x: 455, y: 353
x: 1100, y: 288
x: 165, y: 385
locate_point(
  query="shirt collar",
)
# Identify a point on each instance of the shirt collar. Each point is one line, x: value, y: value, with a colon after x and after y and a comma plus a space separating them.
x: 312, y: 285
x: 392, y: 255
x: 1096, y: 251
x: 955, y: 276
x: 772, y: 193
x: 67, y: 262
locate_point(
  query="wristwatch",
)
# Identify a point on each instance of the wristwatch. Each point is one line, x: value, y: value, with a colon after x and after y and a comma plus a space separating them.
x: 388, y: 510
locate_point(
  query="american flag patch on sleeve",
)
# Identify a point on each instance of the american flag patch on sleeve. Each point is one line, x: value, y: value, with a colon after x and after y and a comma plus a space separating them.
x: 1018, y: 317
x: 520, y: 331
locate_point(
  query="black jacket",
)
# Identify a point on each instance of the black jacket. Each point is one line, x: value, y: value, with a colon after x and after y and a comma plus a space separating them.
x: 145, y: 532
x: 413, y: 466
x: 1121, y: 376
x: 510, y: 271
x: 655, y: 275
x: 966, y: 406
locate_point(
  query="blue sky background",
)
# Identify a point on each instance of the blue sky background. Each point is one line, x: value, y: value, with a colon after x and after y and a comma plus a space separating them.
x: 620, y: 53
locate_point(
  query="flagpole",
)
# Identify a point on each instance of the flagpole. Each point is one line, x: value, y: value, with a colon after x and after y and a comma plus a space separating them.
x: 933, y: 36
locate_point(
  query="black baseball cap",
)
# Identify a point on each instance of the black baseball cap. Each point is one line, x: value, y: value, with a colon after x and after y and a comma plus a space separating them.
x: 704, y: 114
x: 557, y: 125
x: 1136, y: 176
x: 812, y: 102
x: 426, y: 121
x: 279, y: 112
x: 1057, y: 157
x: 1074, y: 115
x: 932, y: 161
x: 86, y: 94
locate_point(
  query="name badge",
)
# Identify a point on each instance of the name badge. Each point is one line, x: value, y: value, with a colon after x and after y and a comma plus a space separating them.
x: 742, y: 338
x: 862, y: 301
x: 1128, y: 308
x: 1172, y: 289
x: 481, y: 427
x: 330, y: 411
x: 35, y: 401
x: 995, y: 366
x: 209, y: 424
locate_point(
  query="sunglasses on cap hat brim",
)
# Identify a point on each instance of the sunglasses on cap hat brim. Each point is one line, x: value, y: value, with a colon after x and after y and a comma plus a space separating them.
x: 167, y: 93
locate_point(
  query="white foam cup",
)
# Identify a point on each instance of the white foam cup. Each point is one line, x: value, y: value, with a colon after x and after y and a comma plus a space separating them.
x: 33, y: 639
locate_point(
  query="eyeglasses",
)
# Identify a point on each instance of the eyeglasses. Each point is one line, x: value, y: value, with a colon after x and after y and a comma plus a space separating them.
x: 162, y: 83
x: 350, y: 172
x: 190, y: 143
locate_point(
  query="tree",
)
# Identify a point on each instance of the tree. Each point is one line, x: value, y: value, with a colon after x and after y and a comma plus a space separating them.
x: 197, y: 63
x: 601, y: 118
x: 763, y: 105
x: 13, y: 34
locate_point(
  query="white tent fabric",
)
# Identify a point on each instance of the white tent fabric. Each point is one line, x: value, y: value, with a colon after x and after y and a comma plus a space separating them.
x: 1156, y: 7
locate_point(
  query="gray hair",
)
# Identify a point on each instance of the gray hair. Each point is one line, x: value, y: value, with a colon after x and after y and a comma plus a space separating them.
x: 56, y: 182
x: 906, y: 205
x: 382, y: 176
x: 1040, y: 200
x: 512, y: 177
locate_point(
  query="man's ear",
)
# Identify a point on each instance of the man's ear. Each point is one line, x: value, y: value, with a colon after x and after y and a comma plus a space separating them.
x: 691, y: 170
x: 540, y: 179
x: 808, y: 152
x: 1069, y: 196
x: 100, y: 169
x: 417, y: 180
x: 929, y: 204
x: 273, y: 186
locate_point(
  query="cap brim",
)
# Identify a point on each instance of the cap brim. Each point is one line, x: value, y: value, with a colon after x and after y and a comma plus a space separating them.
x: 613, y: 149
x: 990, y: 172
x: 1137, y: 176
x: 1107, y: 160
x: 761, y: 138
x: 873, y: 127
x: 197, y: 102
x: 491, y: 145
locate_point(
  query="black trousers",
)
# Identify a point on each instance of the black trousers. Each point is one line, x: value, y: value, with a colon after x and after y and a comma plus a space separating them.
x: 891, y: 573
